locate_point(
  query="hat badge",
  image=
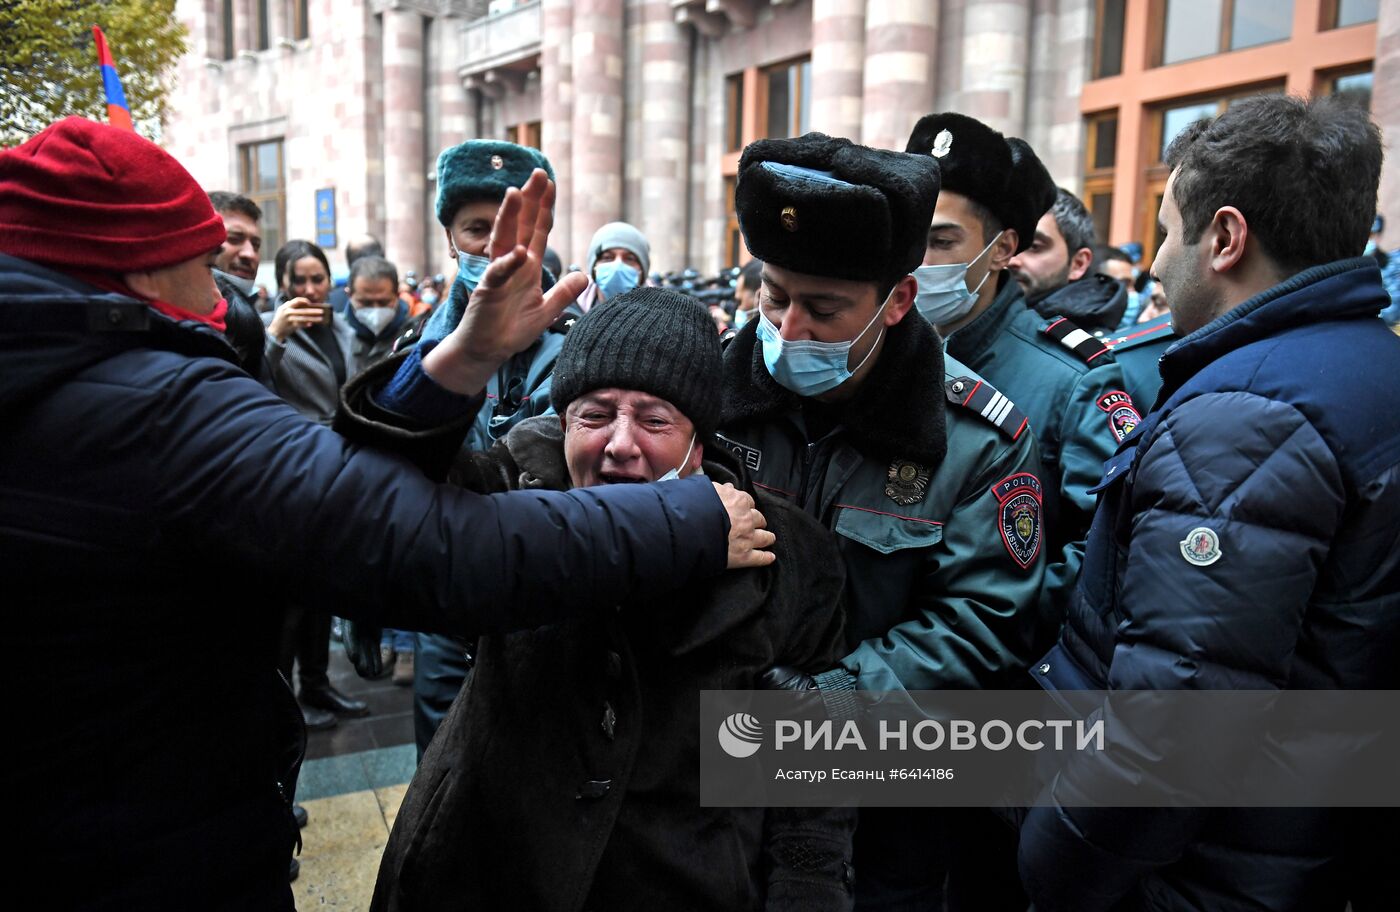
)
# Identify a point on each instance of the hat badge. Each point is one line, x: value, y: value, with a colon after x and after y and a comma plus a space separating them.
x: 789, y: 218
x: 942, y: 143
x: 497, y: 162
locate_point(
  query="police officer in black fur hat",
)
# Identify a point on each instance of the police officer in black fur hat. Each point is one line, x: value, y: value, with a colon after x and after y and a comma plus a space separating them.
x: 838, y: 395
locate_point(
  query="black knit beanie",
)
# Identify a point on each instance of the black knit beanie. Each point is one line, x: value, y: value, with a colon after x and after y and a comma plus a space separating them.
x: 650, y: 339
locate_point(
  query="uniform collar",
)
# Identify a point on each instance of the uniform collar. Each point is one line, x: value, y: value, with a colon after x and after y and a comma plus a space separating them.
x: 971, y: 342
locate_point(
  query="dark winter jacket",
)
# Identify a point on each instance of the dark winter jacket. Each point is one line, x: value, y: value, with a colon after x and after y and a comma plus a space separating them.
x: 1278, y: 435
x: 1095, y: 302
x: 152, y: 496
x: 566, y: 774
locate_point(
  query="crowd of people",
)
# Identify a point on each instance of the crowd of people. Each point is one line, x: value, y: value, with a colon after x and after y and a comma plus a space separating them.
x: 934, y: 434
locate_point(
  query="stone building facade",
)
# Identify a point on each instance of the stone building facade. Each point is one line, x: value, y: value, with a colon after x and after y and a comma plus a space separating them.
x: 642, y: 106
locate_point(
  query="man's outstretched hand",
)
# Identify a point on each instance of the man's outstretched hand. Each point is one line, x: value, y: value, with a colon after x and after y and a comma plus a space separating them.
x: 507, y: 312
x: 748, y: 536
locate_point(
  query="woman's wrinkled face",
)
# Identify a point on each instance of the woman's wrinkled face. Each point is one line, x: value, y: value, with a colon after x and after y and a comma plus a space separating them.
x: 307, y: 278
x: 614, y: 436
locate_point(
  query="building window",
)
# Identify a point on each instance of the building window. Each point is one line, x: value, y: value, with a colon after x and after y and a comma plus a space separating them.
x: 260, y: 176
x: 1101, y: 157
x: 264, y: 26
x: 226, y: 23
x: 1176, y: 119
x: 1354, y: 87
x: 1108, y: 38
x: 1199, y: 28
x: 789, y: 88
x: 301, y: 20
x: 526, y: 134
x: 1342, y: 13
x: 734, y: 112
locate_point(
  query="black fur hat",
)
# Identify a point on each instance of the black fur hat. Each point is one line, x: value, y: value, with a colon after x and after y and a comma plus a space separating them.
x: 828, y: 207
x: 1004, y: 175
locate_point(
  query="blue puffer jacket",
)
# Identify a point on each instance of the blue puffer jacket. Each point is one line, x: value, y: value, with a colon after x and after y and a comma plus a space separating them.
x: 1279, y: 432
x: 156, y: 505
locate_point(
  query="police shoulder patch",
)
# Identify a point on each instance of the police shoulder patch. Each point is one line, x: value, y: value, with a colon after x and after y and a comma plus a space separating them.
x: 978, y: 395
x: 1089, y: 348
x: 1123, y: 416
x: 1019, y: 500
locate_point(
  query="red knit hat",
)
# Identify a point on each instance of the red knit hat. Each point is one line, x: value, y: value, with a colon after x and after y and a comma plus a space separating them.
x: 86, y: 196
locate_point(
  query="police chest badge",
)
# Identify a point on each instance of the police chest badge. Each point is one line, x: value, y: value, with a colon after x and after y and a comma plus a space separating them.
x: 1123, y: 418
x: 1201, y: 547
x: 906, y: 482
x: 1019, y: 497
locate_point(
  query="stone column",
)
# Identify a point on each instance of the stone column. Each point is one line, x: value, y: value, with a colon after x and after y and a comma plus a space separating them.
x: 1061, y: 54
x: 900, y: 70
x: 664, y: 122
x: 404, y: 167
x: 597, y: 121
x: 556, y: 116
x: 838, y: 66
x: 1385, y: 107
x: 996, y: 62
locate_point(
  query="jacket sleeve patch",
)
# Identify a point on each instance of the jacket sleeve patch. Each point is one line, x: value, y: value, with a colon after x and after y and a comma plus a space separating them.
x: 1019, y: 498
x: 1123, y: 417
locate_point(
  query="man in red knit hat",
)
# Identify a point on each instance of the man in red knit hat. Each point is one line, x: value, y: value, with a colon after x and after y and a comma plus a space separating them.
x: 152, y: 493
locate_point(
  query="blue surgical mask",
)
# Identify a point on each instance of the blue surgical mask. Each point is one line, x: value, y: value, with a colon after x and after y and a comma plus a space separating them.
x: 429, y: 297
x: 1370, y: 248
x: 470, y: 269
x: 808, y: 367
x: 676, y: 472
x: 741, y: 317
x: 616, y: 278
x: 943, y: 295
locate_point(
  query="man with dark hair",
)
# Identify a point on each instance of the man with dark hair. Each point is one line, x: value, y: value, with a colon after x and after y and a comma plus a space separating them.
x: 994, y: 201
x: 374, y: 310
x: 361, y: 245
x: 1245, y: 536
x: 839, y: 396
x: 235, y: 269
x: 1055, y: 271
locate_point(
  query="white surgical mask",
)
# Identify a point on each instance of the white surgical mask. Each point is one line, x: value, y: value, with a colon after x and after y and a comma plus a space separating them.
x: 943, y: 295
x: 808, y: 367
x: 676, y: 472
x: 375, y: 319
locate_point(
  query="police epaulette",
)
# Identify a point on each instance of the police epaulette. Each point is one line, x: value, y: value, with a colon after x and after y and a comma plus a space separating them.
x: 982, y: 398
x: 1160, y: 328
x: 1083, y: 344
x: 565, y: 323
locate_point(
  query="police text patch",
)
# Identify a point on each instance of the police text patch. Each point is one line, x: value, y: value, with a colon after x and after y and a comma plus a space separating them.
x: 1019, y: 497
x: 749, y: 456
x: 1123, y: 417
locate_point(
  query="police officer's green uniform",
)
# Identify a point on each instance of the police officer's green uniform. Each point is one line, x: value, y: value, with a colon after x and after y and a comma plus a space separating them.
x: 927, y: 475
x: 1138, y: 350
x: 1060, y: 375
x: 1068, y: 384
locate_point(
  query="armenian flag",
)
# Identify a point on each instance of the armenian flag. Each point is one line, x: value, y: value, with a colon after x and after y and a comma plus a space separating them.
x: 118, y: 114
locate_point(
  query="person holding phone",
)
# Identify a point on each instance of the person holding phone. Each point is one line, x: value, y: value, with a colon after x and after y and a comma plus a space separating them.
x: 308, y: 353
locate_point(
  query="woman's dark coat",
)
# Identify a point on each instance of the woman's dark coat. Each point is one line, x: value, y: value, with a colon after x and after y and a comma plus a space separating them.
x: 566, y: 775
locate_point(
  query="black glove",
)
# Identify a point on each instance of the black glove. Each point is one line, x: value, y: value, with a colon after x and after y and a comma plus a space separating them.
x: 785, y: 677
x: 361, y: 643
